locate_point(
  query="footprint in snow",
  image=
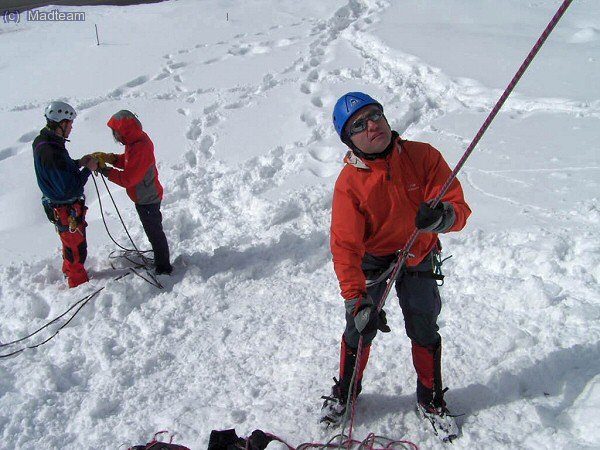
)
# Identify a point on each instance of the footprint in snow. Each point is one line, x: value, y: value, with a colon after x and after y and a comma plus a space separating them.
x: 28, y: 137
x: 175, y: 66
x: 211, y: 108
x: 235, y: 105
x: 317, y: 101
x: 161, y: 76
x: 324, y: 170
x: 239, y: 50
x: 313, y: 75
x: 308, y: 119
x: 206, y: 146
x: 8, y: 152
x: 116, y: 93
x: 325, y: 154
x: 194, y: 131
x: 190, y: 157
x: 305, y: 88
x: 212, y: 120
x: 137, y: 81
x: 585, y: 35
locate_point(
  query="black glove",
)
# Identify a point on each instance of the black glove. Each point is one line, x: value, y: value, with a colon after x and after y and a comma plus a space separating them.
x: 366, y: 317
x: 428, y: 218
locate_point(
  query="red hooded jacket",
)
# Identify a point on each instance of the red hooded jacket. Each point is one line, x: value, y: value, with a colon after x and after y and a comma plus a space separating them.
x: 139, y: 175
x: 374, y: 207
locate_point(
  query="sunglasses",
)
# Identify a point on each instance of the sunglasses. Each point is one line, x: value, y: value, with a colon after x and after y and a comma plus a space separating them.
x: 360, y: 125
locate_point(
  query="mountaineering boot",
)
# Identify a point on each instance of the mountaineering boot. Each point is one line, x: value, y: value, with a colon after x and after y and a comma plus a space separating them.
x: 430, y: 392
x: 334, y: 406
x: 442, y: 422
x: 163, y: 270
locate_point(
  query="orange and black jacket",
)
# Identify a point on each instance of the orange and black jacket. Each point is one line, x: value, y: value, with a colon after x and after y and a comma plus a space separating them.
x: 138, y: 174
x: 374, y: 207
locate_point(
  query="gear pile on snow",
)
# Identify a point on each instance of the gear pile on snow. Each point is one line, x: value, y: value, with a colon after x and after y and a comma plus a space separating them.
x: 229, y: 440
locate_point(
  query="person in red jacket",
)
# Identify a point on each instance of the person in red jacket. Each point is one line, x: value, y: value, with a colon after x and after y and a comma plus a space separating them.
x: 136, y: 171
x: 383, y: 192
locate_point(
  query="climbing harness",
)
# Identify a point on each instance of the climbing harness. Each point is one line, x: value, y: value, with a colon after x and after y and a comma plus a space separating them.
x: 66, y: 216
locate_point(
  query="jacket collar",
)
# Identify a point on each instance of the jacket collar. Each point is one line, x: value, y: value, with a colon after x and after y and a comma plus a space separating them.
x: 353, y: 160
x: 52, y: 137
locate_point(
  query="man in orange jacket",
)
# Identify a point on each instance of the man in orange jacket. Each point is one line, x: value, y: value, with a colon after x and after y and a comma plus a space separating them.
x: 136, y: 171
x: 381, y: 195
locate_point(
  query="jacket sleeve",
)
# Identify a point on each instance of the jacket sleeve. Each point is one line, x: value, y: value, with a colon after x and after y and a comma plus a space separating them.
x: 120, y: 163
x: 66, y: 177
x: 347, y: 242
x: 83, y: 173
x: 135, y: 167
x: 438, y: 172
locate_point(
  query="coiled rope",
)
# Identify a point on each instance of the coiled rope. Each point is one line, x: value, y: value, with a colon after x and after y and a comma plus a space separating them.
x: 135, y: 256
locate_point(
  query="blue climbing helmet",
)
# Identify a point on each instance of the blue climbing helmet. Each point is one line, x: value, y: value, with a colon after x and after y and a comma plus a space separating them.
x: 347, y: 105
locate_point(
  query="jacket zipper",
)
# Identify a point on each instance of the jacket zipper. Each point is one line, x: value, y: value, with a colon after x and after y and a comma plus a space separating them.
x: 387, y: 169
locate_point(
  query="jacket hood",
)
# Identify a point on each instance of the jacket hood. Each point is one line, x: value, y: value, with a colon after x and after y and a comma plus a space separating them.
x: 127, y: 125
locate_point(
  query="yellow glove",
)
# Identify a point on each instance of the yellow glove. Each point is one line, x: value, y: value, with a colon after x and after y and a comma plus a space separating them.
x: 111, y: 158
x: 104, y: 158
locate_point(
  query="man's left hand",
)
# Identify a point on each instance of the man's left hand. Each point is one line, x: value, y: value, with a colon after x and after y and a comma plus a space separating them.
x: 435, y: 220
x: 429, y: 218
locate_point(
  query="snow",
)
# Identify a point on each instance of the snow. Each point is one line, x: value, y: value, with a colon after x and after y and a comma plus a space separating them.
x: 245, y: 334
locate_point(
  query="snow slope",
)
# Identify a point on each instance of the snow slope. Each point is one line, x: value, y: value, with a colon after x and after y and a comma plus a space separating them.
x: 237, y: 97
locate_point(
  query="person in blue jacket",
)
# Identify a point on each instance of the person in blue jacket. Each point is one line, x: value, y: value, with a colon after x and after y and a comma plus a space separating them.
x: 61, y: 180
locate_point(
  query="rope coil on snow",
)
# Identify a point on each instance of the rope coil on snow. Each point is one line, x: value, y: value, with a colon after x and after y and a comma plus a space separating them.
x: 142, y: 262
x: 371, y: 442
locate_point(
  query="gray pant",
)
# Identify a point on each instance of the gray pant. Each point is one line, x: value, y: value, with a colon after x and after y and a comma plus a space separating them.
x: 418, y: 296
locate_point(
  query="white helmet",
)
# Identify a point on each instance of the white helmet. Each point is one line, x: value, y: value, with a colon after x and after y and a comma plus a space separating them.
x: 57, y: 111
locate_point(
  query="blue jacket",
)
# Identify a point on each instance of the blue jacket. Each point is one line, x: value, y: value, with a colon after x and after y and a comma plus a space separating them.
x: 58, y: 175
